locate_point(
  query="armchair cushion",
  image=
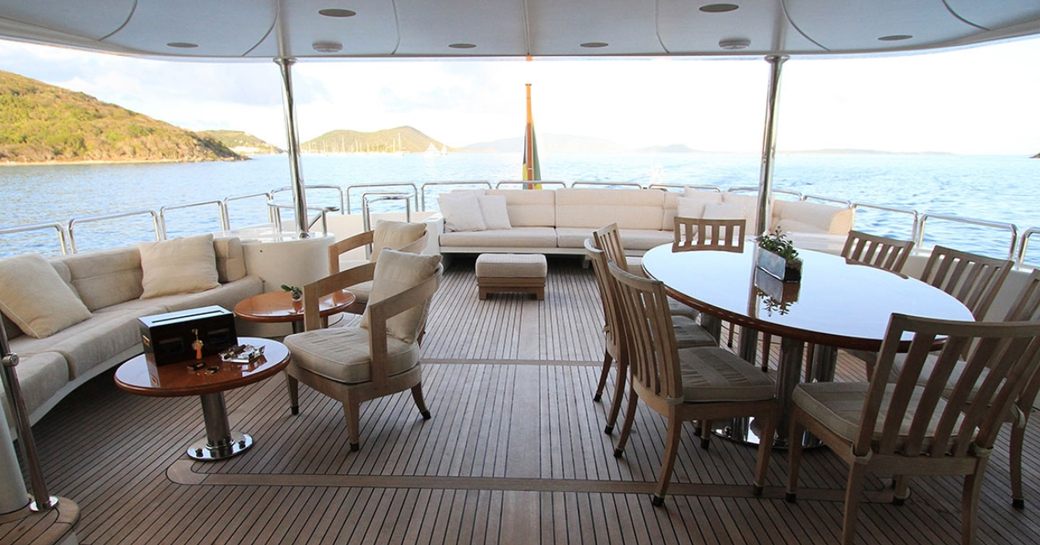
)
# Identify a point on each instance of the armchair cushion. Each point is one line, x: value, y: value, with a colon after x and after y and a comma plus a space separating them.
x: 394, y: 234
x: 34, y: 297
x: 342, y: 354
x: 396, y: 272
x: 712, y: 374
x: 183, y: 265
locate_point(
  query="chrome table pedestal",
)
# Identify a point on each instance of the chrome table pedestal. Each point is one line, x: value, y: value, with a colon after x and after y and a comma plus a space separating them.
x: 221, y: 443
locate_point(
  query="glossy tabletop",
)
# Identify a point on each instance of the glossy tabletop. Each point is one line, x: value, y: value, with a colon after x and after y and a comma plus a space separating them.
x: 140, y: 375
x: 837, y: 303
x: 278, y: 306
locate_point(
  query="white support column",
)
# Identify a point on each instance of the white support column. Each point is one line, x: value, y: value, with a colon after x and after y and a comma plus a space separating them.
x: 293, y: 138
x: 765, y: 181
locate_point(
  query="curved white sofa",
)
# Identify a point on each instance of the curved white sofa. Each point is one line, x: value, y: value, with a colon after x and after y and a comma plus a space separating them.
x: 558, y: 222
x: 109, y: 284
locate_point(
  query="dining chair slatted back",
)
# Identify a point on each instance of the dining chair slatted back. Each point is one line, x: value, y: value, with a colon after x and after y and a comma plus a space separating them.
x: 608, y: 239
x: 649, y: 340
x: 884, y: 253
x: 612, y: 324
x: 973, y: 279
x: 694, y: 234
x: 918, y: 422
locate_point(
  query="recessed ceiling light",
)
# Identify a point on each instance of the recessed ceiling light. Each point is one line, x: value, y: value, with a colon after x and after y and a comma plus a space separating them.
x: 336, y: 12
x: 462, y: 45
x: 327, y: 47
x: 734, y: 43
x: 182, y: 45
x: 718, y: 8
x: 594, y: 45
x: 895, y: 37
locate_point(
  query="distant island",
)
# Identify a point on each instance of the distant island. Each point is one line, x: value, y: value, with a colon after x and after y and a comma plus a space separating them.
x: 1037, y: 156
x: 241, y: 142
x: 396, y: 140
x: 41, y: 123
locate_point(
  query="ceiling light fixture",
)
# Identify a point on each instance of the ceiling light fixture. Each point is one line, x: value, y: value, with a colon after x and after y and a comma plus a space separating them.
x: 182, y: 45
x: 594, y: 45
x: 718, y: 8
x: 336, y: 12
x: 327, y: 47
x: 732, y: 44
x: 895, y: 37
x: 462, y: 45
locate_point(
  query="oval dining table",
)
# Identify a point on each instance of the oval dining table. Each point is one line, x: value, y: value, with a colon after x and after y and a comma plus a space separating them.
x: 838, y: 304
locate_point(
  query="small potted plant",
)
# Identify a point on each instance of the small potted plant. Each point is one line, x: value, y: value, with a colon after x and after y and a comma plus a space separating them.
x: 295, y: 292
x: 778, y: 257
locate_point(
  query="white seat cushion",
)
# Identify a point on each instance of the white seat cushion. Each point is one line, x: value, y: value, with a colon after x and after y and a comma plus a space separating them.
x: 572, y: 237
x: 342, y: 354
x: 34, y: 297
x: 511, y: 266
x: 517, y: 237
x: 182, y: 265
x: 644, y: 239
x: 40, y: 377
x: 713, y: 374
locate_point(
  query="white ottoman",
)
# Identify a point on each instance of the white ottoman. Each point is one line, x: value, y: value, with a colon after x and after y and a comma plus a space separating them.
x: 511, y: 273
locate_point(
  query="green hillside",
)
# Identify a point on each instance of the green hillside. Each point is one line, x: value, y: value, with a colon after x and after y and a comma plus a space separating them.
x: 41, y: 123
x: 398, y: 139
x: 241, y: 142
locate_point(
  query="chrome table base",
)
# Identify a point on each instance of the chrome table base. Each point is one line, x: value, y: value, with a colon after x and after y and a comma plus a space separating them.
x: 221, y: 443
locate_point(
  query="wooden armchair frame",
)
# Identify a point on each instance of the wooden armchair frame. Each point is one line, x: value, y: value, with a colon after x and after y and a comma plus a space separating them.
x: 889, y: 254
x: 367, y: 238
x: 695, y: 234
x: 380, y: 383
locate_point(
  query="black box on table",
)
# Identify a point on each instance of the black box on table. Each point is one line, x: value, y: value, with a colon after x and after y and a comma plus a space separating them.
x: 170, y: 337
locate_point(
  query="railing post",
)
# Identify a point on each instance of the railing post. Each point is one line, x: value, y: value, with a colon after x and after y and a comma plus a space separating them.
x: 293, y: 138
x: 765, y: 182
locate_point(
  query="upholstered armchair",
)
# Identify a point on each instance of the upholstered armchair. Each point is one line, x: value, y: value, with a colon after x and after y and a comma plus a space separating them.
x: 395, y: 235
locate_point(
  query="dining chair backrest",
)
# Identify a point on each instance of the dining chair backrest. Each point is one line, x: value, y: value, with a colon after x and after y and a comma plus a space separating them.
x: 649, y: 340
x: 1027, y: 309
x: 925, y: 421
x: 612, y: 329
x: 608, y: 239
x: 973, y: 279
x: 882, y: 252
x: 693, y: 234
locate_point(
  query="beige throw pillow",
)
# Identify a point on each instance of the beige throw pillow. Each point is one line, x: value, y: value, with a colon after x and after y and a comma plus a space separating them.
x: 461, y: 211
x: 36, y: 299
x: 493, y: 209
x: 396, y: 272
x: 231, y: 259
x: 394, y: 235
x: 181, y: 265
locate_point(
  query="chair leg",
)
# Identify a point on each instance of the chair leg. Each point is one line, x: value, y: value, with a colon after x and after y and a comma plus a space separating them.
x: 608, y: 361
x: 970, y: 502
x: 619, y: 390
x: 901, y: 486
x: 293, y: 386
x: 1018, y: 436
x: 420, y: 403
x: 853, y: 491
x: 810, y: 355
x: 705, y: 432
x: 765, y: 450
x: 626, y: 426
x: 794, y: 456
x: 729, y: 341
x: 352, y: 410
x: 671, y: 449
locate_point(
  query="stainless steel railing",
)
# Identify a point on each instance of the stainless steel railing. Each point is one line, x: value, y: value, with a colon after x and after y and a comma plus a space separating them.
x: 668, y: 187
x: 344, y: 200
x: 844, y: 202
x: 63, y: 233
x: 156, y: 223
x: 227, y: 200
x: 366, y: 214
x: 1023, y: 246
x: 608, y: 185
x: 915, y: 216
x: 404, y: 185
x: 322, y: 211
x: 523, y: 183
x: 754, y: 189
x: 1012, y: 228
x: 222, y: 216
x: 422, y: 188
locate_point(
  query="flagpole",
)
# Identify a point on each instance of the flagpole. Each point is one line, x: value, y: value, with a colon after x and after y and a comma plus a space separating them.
x: 528, y: 143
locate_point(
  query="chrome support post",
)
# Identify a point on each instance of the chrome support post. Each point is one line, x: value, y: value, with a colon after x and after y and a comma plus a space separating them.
x: 765, y: 181
x: 220, y: 443
x: 293, y: 138
x: 42, y: 500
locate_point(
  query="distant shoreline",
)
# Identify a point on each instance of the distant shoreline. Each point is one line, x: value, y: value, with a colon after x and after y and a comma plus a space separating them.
x: 114, y: 162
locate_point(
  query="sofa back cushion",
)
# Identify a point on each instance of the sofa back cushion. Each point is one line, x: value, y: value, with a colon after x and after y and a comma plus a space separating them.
x: 748, y: 203
x: 105, y: 278
x: 529, y: 208
x: 802, y: 216
x: 10, y: 327
x: 629, y: 208
x: 180, y: 265
x: 36, y: 298
x: 231, y: 259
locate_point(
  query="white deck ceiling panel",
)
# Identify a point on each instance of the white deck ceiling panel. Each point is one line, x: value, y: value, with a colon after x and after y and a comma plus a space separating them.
x: 219, y: 28
x: 850, y: 25
x: 996, y: 13
x: 627, y: 26
x: 684, y: 28
x: 91, y: 19
x: 495, y: 27
x: 373, y: 31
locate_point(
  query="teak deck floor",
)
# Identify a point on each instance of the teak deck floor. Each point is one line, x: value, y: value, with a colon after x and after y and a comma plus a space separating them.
x: 515, y: 453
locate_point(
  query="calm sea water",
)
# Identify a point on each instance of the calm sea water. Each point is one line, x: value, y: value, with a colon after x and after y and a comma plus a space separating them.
x: 994, y: 188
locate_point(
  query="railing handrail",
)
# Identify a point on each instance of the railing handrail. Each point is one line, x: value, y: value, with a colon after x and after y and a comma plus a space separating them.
x: 755, y: 188
x: 525, y: 182
x: 275, y: 211
x: 415, y: 191
x: 684, y: 186
x: 156, y: 223
x: 225, y: 222
x: 366, y: 213
x: 343, y: 201
x: 847, y: 203
x: 422, y: 188
x: 227, y: 200
x: 1024, y: 244
x: 63, y: 234
x: 971, y: 221
x: 581, y: 183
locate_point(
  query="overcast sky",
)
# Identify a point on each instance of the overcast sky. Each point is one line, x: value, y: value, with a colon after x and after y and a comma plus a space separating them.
x: 981, y: 100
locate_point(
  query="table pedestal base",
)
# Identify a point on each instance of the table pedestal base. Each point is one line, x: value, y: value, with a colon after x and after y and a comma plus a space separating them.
x: 220, y: 443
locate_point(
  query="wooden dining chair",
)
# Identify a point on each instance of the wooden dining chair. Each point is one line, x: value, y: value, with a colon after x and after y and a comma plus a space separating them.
x: 687, y: 333
x: 904, y: 428
x: 885, y: 253
x: 703, y: 384
x: 695, y: 234
x: 395, y: 235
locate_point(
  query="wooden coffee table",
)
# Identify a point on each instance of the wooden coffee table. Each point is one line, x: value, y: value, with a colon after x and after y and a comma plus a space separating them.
x: 278, y: 307
x: 140, y: 375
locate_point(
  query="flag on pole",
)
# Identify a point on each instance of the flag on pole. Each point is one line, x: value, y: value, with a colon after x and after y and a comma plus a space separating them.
x: 532, y: 172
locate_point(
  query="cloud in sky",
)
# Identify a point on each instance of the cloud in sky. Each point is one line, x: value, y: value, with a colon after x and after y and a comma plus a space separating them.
x: 978, y: 100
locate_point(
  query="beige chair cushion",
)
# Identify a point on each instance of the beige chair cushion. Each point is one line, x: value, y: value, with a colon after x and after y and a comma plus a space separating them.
x: 231, y: 259
x: 714, y: 374
x: 342, y: 354
x: 461, y: 211
x: 495, y: 212
x: 517, y: 237
x: 396, y: 272
x: 929, y: 367
x: 511, y: 266
x: 36, y: 299
x: 106, y: 278
x: 181, y: 265
x: 529, y: 208
x: 394, y: 234
x: 689, y: 334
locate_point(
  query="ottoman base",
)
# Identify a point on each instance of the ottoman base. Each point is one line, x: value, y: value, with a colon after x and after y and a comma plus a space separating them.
x: 489, y: 285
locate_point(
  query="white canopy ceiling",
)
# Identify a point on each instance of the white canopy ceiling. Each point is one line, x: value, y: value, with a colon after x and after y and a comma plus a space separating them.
x: 508, y: 28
